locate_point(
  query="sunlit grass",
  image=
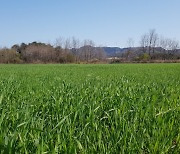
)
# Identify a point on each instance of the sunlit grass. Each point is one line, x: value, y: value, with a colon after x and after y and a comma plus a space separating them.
x: 90, y: 108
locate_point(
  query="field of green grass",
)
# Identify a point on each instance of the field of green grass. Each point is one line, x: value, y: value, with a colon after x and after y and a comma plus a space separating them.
x: 124, y: 108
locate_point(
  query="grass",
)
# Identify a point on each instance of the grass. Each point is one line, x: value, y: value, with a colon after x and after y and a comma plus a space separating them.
x: 128, y: 108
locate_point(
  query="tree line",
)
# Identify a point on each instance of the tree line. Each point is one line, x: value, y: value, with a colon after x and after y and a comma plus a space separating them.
x: 151, y: 47
x: 62, y: 51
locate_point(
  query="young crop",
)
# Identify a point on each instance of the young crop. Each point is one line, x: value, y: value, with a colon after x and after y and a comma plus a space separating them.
x: 90, y: 108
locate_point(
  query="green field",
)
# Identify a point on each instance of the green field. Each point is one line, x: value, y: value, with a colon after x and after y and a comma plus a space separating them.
x: 126, y: 108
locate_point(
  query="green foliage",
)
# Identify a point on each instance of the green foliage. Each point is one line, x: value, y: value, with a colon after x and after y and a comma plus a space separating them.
x: 144, y: 57
x: 90, y: 108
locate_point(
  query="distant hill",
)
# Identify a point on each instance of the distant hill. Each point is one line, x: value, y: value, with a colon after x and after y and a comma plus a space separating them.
x: 113, y: 51
x: 116, y: 51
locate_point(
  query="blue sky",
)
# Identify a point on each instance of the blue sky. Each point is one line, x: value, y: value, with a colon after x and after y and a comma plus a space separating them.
x: 106, y: 22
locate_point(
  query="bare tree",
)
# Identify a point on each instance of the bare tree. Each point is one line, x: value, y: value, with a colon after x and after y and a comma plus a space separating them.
x: 39, y: 52
x: 59, y: 42
x: 67, y: 44
x: 173, y: 45
x: 9, y: 56
x: 75, y: 48
x: 130, y: 43
x: 153, y: 38
x: 87, y: 50
x: 149, y: 41
x: 170, y: 45
x: 144, y: 42
x: 154, y: 42
x: 163, y: 43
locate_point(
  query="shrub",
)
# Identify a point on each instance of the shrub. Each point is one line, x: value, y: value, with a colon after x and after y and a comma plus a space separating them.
x: 9, y: 56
